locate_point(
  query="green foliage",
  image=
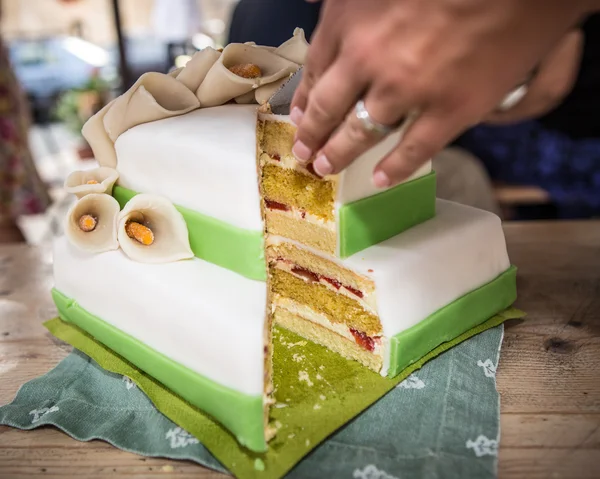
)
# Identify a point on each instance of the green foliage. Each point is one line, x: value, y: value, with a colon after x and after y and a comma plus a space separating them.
x: 74, y: 107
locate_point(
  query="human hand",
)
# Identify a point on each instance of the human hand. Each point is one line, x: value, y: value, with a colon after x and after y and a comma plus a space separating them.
x: 449, y: 61
x: 553, y: 81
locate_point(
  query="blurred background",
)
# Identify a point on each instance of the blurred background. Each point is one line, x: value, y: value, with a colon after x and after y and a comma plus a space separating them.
x: 69, y: 58
x: 63, y: 60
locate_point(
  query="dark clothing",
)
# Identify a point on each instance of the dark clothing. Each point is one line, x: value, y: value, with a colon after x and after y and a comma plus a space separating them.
x: 578, y: 116
x: 530, y: 154
x: 272, y: 22
x: 559, y: 152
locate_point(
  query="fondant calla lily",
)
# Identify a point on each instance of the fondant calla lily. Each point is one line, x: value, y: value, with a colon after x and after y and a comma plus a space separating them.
x: 209, y: 79
x: 97, y: 180
x: 151, y: 230
x: 92, y: 223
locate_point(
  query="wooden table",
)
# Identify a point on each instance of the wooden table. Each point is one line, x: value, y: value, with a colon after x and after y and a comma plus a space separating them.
x: 549, y: 375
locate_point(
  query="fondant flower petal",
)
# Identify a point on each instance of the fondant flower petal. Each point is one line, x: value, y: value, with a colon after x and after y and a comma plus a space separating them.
x: 95, y: 134
x: 196, y: 69
x: 153, y: 97
x: 264, y: 93
x: 97, y: 180
x: 151, y: 230
x: 92, y: 223
x: 295, y: 48
x: 247, y: 98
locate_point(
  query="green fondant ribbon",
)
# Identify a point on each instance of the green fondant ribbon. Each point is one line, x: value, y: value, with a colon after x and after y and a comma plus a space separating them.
x: 374, y: 219
x: 452, y: 321
x: 217, y: 242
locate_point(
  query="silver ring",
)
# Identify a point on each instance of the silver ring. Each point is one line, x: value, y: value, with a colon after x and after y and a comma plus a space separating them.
x: 513, y: 98
x: 360, y: 110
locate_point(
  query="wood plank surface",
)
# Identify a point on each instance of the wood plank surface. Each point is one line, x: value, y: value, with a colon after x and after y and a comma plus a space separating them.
x: 548, y: 377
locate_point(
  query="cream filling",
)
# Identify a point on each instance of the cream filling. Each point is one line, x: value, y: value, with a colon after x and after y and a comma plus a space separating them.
x: 315, y: 317
x: 287, y: 162
x: 302, y: 215
x: 367, y: 301
x: 272, y: 117
x: 274, y: 240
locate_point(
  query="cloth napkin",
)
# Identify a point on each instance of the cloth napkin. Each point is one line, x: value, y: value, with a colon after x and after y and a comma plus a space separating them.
x: 440, y: 421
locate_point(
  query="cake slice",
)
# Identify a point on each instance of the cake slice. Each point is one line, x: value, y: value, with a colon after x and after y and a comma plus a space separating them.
x: 199, y: 329
x: 392, y: 303
x: 341, y: 214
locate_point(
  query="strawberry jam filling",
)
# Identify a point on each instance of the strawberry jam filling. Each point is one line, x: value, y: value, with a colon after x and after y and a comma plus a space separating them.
x: 273, y: 205
x: 363, y: 340
x: 316, y: 277
x: 305, y: 273
x: 333, y: 282
x: 354, y: 291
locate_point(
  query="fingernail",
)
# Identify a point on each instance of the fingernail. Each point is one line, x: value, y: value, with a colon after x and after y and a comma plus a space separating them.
x: 322, y: 166
x: 296, y: 115
x: 381, y: 180
x: 301, y: 151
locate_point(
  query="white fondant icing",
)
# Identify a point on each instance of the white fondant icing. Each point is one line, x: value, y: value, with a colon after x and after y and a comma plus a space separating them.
x: 356, y: 182
x: 204, y: 317
x: 204, y: 160
x: 429, y: 266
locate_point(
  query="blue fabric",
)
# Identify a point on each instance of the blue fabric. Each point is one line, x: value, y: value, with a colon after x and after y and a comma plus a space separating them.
x: 529, y: 154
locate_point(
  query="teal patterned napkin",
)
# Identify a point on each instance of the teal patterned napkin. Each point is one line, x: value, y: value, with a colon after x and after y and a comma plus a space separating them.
x: 441, y: 422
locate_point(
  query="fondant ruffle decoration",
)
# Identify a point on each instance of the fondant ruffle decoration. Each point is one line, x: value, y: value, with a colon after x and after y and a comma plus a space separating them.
x: 239, y: 70
x: 97, y: 180
x: 263, y: 93
x: 151, y: 230
x: 245, y: 73
x: 193, y: 74
x: 295, y: 48
x: 92, y: 223
x: 97, y: 137
x: 153, y: 97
